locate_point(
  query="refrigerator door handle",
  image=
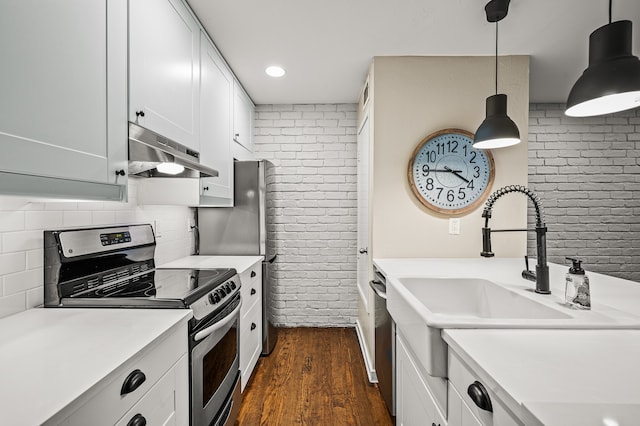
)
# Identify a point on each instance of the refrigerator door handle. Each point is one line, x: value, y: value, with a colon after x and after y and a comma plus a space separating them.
x: 273, y: 259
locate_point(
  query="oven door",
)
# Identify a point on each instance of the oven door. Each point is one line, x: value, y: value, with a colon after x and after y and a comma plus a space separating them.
x: 214, y: 366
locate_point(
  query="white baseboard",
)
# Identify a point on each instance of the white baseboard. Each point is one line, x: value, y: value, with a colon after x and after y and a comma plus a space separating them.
x: 371, y: 370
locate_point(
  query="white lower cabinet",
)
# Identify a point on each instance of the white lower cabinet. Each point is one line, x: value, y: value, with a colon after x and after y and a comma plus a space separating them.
x: 415, y: 405
x: 460, y: 378
x: 250, y: 320
x: 153, y: 385
x: 459, y: 412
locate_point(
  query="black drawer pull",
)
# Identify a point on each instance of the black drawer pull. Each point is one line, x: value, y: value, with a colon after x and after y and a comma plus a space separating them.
x: 253, y: 291
x: 253, y: 274
x: 133, y: 382
x: 480, y: 396
x: 137, y: 420
x: 253, y: 326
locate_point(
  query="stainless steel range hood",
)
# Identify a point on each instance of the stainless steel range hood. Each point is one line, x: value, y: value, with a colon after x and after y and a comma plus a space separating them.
x: 147, y: 149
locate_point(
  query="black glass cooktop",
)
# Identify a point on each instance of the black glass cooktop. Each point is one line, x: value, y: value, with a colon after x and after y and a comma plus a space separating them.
x: 183, y: 286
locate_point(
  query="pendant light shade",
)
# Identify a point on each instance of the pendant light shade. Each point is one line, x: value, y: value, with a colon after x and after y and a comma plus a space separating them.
x: 497, y: 130
x: 611, y: 83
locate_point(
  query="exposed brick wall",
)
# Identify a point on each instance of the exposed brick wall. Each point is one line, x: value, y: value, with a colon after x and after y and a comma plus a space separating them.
x: 314, y: 150
x: 587, y: 172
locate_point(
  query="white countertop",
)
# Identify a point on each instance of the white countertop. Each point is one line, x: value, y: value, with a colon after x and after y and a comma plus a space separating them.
x: 50, y: 357
x: 558, y: 377
x: 549, y: 376
x: 239, y: 263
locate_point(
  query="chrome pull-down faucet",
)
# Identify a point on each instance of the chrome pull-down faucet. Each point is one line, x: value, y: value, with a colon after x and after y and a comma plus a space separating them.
x: 541, y: 275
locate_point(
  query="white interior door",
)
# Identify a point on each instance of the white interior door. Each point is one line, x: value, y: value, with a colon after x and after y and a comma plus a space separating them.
x: 363, y: 212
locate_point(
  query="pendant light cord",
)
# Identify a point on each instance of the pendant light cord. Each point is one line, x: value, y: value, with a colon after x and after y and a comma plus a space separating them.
x: 496, y: 57
x: 610, y: 9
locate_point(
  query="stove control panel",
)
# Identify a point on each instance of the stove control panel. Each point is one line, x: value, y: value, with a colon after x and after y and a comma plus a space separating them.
x: 216, y: 299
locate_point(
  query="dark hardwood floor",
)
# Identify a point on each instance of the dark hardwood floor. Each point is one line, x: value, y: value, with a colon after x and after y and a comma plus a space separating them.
x: 314, y: 376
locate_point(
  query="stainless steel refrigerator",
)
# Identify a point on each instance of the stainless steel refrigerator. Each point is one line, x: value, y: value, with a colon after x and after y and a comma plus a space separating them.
x: 245, y: 230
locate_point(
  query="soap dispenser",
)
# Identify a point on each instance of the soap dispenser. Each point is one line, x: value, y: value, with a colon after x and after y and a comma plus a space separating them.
x: 577, y: 293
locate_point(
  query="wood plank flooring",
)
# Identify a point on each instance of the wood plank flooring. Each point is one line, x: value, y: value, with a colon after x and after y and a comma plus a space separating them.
x: 314, y: 376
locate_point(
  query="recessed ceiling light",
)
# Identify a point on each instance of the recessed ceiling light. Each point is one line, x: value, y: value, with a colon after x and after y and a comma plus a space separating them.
x: 275, y: 71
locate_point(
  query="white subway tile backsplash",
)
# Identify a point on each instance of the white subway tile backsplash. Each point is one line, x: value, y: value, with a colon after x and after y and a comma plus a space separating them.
x: 12, y: 304
x: 35, y: 298
x: 35, y: 258
x: 12, y: 262
x: 21, y: 241
x: 22, y: 281
x: 43, y: 219
x: 11, y: 221
x: 76, y: 218
x: 103, y: 218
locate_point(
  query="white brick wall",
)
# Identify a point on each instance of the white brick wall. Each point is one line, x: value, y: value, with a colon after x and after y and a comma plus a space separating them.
x: 314, y: 150
x: 587, y: 172
x: 23, y: 220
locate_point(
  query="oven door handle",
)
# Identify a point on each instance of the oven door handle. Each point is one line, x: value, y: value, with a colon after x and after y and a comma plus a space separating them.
x: 217, y: 326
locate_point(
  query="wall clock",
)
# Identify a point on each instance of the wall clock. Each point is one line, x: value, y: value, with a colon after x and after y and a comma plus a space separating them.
x: 448, y: 175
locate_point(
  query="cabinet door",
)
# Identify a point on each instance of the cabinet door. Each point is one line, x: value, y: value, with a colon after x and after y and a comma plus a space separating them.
x: 242, y: 118
x: 164, y: 51
x: 64, y: 90
x: 414, y: 403
x: 216, y: 103
x: 459, y: 413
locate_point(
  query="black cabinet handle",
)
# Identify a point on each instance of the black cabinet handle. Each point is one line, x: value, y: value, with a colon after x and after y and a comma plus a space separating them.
x: 253, y: 274
x: 363, y: 251
x: 133, y: 382
x: 139, y: 113
x: 480, y: 396
x: 253, y: 291
x: 137, y: 420
x: 206, y: 188
x: 253, y: 326
x: 120, y: 172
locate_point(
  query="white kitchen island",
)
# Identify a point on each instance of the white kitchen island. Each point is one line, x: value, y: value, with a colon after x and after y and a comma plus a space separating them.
x: 576, y: 371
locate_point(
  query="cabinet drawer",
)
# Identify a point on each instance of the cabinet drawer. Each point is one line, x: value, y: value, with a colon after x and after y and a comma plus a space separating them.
x: 250, y: 341
x: 107, y: 406
x: 460, y: 377
x: 167, y: 402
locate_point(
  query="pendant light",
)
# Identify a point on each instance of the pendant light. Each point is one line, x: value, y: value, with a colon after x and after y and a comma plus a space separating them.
x: 611, y: 83
x: 497, y: 130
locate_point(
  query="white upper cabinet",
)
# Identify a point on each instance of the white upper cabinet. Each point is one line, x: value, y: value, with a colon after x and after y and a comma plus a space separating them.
x: 242, y: 118
x: 164, y: 60
x: 63, y: 108
x: 216, y: 107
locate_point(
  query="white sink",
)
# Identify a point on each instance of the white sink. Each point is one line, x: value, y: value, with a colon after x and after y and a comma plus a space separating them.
x: 422, y: 306
x: 471, y: 298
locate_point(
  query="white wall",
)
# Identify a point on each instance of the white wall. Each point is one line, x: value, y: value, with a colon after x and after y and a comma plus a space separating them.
x: 313, y: 148
x: 21, y: 239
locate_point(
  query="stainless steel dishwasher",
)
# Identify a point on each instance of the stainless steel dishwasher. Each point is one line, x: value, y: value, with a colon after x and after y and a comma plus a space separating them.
x: 385, y: 345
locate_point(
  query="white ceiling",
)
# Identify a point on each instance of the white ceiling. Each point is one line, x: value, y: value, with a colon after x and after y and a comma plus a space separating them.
x: 326, y: 46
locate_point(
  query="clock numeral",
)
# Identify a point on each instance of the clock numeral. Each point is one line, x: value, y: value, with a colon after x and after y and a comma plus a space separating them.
x: 439, y: 189
x: 450, y: 195
x: 431, y: 156
x: 461, y: 194
x: 464, y: 148
x: 470, y: 185
x: 477, y: 172
x: 450, y: 146
x: 473, y: 157
x: 425, y: 170
x: 455, y: 146
x: 429, y: 184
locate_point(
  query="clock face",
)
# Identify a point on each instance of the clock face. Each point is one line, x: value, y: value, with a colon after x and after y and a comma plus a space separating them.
x: 448, y: 175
